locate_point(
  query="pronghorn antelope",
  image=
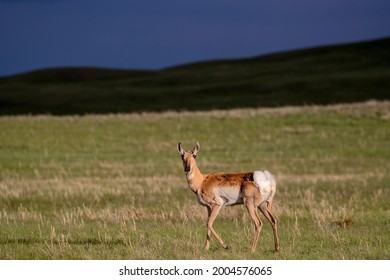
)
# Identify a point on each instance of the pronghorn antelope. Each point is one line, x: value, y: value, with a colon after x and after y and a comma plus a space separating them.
x: 215, y: 190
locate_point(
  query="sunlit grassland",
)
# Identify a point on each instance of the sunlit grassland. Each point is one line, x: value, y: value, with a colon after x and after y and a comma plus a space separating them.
x: 112, y: 187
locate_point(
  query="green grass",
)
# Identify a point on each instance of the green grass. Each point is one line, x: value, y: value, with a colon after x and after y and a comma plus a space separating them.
x: 112, y: 187
x: 327, y: 75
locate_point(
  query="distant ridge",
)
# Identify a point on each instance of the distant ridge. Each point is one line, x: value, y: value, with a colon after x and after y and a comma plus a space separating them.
x: 322, y: 75
x: 74, y: 74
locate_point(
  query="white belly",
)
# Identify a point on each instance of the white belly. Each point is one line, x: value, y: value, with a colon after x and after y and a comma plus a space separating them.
x: 228, y: 195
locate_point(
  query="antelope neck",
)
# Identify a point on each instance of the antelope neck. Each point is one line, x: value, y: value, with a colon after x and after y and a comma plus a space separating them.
x: 194, y: 178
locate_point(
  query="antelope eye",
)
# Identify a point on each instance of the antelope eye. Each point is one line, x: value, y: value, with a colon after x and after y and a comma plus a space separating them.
x: 194, y: 156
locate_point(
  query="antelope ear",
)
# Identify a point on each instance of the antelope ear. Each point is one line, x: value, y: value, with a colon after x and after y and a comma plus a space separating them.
x: 180, y: 148
x: 196, y: 149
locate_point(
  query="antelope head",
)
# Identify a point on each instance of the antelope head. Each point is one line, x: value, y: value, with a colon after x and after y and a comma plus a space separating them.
x: 188, y: 157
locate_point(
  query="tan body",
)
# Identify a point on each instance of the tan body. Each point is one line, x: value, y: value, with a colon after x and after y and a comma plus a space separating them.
x: 215, y: 190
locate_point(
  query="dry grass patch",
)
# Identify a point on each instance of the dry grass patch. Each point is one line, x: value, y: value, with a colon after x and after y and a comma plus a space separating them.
x: 112, y: 187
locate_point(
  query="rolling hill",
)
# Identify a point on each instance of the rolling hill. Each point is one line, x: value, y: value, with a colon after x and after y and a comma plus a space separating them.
x: 323, y: 75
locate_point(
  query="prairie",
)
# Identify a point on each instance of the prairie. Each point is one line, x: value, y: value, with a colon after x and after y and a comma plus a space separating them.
x: 112, y: 186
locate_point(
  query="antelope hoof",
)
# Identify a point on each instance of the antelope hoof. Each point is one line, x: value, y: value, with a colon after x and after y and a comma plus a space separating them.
x: 226, y: 246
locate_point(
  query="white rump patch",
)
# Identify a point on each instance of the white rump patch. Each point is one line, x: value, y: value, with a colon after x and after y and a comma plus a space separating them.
x: 265, y: 181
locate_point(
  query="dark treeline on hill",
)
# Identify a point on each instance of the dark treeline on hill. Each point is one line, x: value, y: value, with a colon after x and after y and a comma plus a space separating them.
x: 324, y: 75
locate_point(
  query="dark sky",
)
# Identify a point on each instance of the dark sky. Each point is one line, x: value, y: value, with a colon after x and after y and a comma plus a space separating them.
x: 153, y: 34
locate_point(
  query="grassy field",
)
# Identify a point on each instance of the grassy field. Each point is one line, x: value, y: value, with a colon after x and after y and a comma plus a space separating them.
x: 112, y: 187
x: 327, y: 75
